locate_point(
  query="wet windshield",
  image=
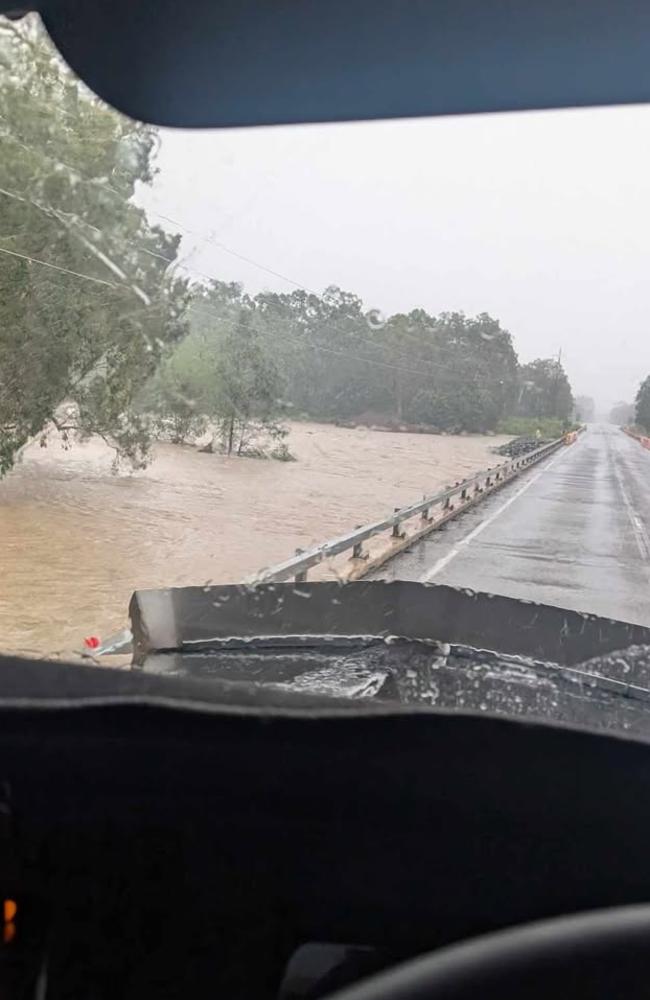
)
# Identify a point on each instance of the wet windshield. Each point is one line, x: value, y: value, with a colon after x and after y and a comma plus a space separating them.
x: 409, y: 351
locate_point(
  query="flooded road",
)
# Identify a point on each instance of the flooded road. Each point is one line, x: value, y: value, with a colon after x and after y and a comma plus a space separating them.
x: 574, y: 533
x: 78, y: 540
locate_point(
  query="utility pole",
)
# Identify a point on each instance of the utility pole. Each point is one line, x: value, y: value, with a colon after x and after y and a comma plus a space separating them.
x: 556, y: 386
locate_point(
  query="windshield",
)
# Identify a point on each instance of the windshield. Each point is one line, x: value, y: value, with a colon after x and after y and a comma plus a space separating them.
x: 405, y: 351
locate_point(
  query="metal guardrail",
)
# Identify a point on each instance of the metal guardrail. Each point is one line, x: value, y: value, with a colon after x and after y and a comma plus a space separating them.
x: 643, y: 440
x: 469, y: 491
x: 465, y: 492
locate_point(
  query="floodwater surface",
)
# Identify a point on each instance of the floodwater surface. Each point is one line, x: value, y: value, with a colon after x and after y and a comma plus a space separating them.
x: 77, y: 539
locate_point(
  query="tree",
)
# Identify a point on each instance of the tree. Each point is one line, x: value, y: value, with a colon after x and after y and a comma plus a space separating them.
x: 622, y: 414
x: 326, y: 349
x: 248, y: 387
x: 450, y: 372
x: 642, y: 410
x: 544, y: 391
x: 184, y: 394
x: 224, y: 374
x: 179, y: 393
x: 88, y: 298
x: 585, y: 409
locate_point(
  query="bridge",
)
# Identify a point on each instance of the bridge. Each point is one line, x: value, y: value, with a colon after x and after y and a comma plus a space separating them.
x: 563, y: 530
x: 574, y: 532
x: 562, y: 527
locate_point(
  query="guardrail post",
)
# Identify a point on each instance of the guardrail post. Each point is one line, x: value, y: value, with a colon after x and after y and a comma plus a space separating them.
x: 357, y: 548
x: 397, y: 532
x: 463, y: 494
x: 302, y: 575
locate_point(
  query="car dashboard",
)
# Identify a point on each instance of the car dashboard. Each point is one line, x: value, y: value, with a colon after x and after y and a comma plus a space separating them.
x: 172, y: 838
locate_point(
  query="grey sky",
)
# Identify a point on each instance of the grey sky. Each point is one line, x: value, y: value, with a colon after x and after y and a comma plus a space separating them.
x: 542, y: 220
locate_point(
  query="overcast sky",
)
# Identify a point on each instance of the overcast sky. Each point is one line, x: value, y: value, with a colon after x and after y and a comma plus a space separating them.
x: 541, y: 219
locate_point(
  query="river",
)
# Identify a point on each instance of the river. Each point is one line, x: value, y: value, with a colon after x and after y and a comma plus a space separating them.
x: 78, y: 539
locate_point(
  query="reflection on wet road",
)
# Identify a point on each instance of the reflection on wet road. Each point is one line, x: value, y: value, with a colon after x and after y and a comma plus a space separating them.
x: 572, y: 533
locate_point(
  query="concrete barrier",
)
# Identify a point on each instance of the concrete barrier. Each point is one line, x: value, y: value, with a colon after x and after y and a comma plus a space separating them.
x: 641, y: 438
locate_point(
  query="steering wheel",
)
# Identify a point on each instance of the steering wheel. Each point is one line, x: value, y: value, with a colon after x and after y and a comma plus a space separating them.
x: 599, y: 955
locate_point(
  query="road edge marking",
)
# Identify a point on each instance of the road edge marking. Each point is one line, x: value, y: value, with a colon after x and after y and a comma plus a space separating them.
x: 485, y: 523
x: 638, y: 527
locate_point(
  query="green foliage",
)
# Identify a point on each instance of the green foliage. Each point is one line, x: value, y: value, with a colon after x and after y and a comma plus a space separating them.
x: 96, y: 342
x: 68, y: 167
x: 182, y: 393
x: 544, y: 391
x: 451, y: 372
x: 623, y: 414
x: 585, y: 409
x: 223, y: 375
x: 549, y: 428
x: 331, y: 361
x: 642, y: 410
x: 248, y: 386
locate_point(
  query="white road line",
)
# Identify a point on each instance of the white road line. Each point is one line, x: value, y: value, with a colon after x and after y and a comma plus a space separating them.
x: 638, y: 527
x: 445, y: 560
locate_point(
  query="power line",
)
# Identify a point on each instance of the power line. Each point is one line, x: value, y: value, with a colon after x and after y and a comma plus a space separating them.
x: 57, y: 267
x: 310, y: 346
x: 202, y: 236
x: 404, y: 335
x: 234, y: 253
x: 57, y: 216
x: 221, y: 246
x: 345, y: 354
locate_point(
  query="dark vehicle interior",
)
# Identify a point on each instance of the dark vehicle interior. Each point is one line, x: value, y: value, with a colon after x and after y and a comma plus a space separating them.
x: 168, y: 836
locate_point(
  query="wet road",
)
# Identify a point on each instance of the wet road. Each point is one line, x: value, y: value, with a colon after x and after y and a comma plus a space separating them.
x: 573, y: 532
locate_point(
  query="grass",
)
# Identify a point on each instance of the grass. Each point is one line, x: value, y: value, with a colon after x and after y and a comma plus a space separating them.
x: 528, y: 426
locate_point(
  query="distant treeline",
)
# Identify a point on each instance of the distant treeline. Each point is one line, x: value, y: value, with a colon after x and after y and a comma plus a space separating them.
x: 104, y: 332
x: 642, y: 405
x: 248, y: 361
x: 636, y: 414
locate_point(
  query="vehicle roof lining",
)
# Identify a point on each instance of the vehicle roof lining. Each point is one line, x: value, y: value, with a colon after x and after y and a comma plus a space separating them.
x: 248, y: 62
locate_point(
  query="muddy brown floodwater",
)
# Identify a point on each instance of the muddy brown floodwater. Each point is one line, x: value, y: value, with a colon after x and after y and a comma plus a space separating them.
x: 77, y: 540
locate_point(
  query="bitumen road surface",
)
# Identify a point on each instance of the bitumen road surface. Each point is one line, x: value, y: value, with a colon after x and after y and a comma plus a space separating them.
x: 573, y: 532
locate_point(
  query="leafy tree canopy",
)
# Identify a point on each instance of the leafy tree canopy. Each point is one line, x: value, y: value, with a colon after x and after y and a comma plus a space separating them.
x: 225, y: 375
x: 544, y: 390
x: 585, y: 409
x: 642, y: 409
x: 88, y: 299
x: 622, y: 414
x: 93, y: 319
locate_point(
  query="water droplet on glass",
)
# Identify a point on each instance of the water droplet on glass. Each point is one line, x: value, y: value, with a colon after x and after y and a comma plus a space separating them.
x: 375, y: 319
